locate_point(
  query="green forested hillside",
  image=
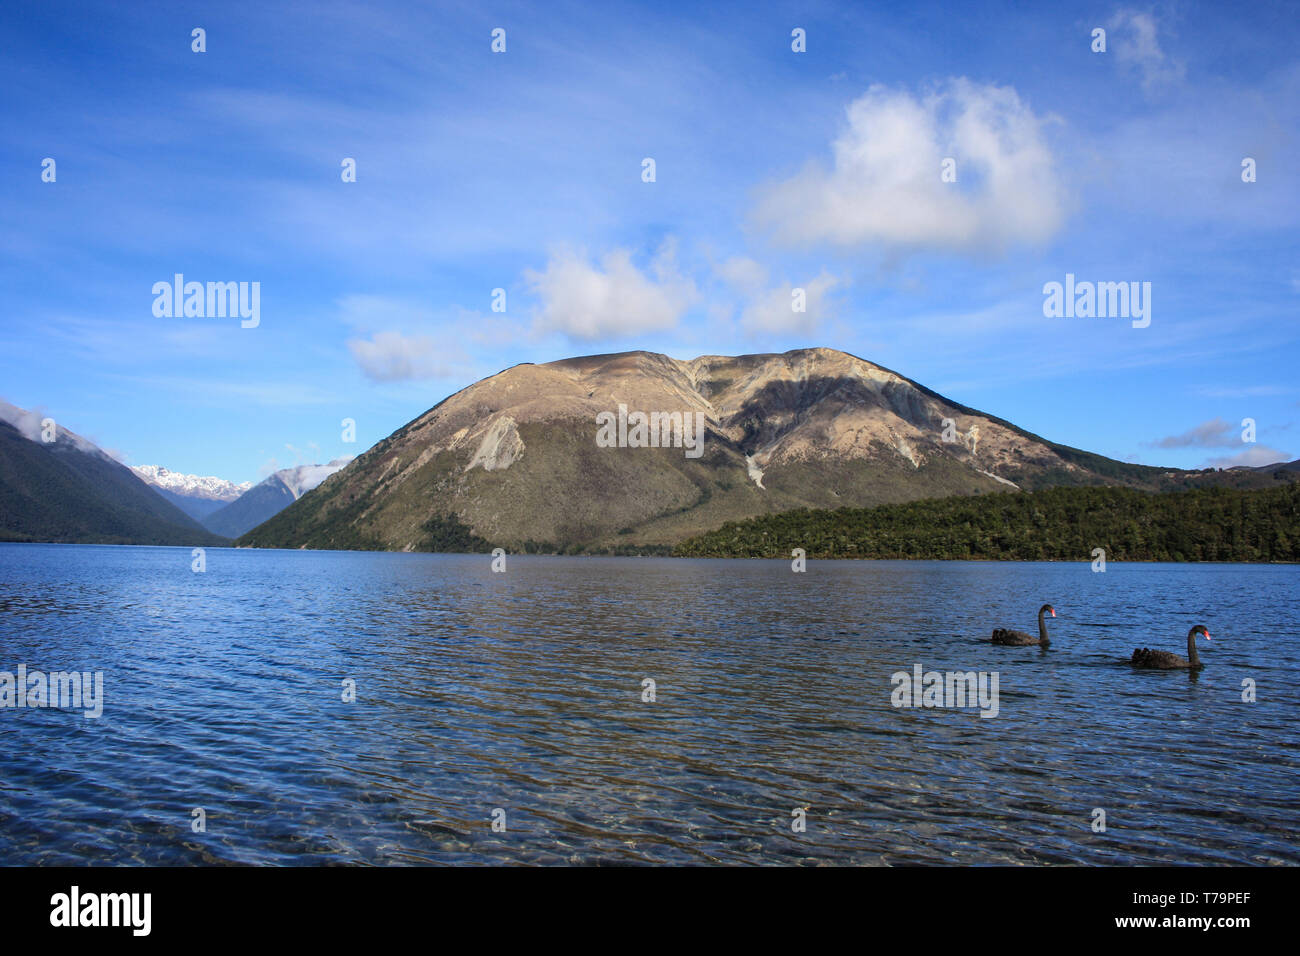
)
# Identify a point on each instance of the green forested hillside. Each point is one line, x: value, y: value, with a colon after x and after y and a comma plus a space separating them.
x: 1057, y: 524
x: 59, y: 493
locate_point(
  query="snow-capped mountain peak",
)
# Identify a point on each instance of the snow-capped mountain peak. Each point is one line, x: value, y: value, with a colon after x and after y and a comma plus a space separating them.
x: 191, y: 486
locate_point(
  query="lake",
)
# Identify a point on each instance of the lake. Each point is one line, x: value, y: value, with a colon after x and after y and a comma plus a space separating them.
x: 518, y: 697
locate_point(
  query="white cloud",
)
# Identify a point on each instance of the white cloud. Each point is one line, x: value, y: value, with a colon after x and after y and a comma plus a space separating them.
x: 394, y: 357
x: 400, y: 339
x: 1136, y: 46
x: 743, y: 273
x: 771, y: 308
x: 773, y: 311
x: 612, y: 299
x: 884, y: 187
x: 28, y: 423
x: 303, y: 478
x: 1220, y: 433
x: 1254, y: 456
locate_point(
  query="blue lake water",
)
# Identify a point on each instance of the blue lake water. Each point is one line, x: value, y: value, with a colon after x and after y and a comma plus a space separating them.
x: 478, y: 691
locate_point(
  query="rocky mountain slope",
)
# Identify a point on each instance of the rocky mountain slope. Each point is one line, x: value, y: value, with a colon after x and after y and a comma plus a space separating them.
x: 513, y: 460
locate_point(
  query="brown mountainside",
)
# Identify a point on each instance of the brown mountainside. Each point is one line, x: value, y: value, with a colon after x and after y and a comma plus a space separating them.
x: 513, y: 460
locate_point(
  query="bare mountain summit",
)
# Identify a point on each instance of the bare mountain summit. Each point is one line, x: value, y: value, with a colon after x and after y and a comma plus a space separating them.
x: 513, y: 460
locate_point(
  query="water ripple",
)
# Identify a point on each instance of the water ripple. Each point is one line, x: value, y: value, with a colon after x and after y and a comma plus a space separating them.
x: 523, y: 691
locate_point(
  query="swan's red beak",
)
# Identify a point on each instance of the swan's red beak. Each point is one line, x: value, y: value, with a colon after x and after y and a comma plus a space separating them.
x: 1207, y: 635
x: 1053, y: 612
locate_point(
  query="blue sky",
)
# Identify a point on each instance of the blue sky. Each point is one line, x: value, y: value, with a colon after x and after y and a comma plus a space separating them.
x: 522, y: 170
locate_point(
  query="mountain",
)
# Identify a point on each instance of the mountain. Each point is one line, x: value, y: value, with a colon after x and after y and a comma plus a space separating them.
x: 513, y: 460
x: 268, y: 497
x: 71, y: 491
x: 1281, y: 466
x: 196, y: 495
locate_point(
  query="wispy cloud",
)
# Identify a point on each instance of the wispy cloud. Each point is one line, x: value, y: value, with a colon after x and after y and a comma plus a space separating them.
x: 773, y: 310
x: 394, y: 357
x: 1215, y: 433
x: 1220, y: 433
x: 1243, y: 391
x: 402, y: 340
x: 1134, y: 39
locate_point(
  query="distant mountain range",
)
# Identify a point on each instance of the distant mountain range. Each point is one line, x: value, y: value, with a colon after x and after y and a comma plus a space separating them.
x: 197, y: 496
x: 516, y: 459
x: 70, y: 490
x: 268, y: 498
x: 230, y: 509
x: 555, y: 457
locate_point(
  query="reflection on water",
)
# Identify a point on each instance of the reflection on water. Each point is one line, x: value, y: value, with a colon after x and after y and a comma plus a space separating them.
x: 523, y: 691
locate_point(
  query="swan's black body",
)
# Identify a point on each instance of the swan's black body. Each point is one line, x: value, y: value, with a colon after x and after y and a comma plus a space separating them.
x: 1008, y: 638
x: 1148, y: 659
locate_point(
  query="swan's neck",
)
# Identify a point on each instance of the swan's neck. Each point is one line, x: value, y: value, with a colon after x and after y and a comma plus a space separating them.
x: 1192, y: 657
x: 1042, y: 627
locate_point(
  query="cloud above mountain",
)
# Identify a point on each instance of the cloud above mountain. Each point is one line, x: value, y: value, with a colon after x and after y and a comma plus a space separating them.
x: 772, y: 308
x: 27, y: 422
x: 31, y: 425
x: 393, y: 357
x: 1255, y: 456
x: 1220, y: 433
x: 613, y: 298
x: 884, y: 184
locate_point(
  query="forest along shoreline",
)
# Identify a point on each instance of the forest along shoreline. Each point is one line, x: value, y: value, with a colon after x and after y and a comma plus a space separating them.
x: 1057, y: 524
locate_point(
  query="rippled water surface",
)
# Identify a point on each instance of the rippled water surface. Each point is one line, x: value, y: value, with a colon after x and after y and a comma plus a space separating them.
x: 523, y: 691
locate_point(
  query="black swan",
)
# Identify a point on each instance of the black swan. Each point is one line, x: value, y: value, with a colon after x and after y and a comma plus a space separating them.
x: 1165, y: 661
x: 1019, y: 638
